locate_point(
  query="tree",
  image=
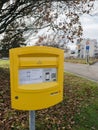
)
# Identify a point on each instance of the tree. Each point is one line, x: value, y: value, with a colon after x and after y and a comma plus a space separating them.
x: 40, y: 10
x: 53, y: 41
x: 9, y: 41
x: 46, y: 13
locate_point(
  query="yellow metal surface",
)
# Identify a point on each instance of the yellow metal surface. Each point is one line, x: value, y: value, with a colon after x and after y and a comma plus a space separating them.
x: 36, y: 96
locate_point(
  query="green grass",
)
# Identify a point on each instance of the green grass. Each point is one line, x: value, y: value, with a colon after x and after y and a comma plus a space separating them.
x: 87, y: 119
x: 81, y: 61
x: 4, y: 63
x: 77, y: 111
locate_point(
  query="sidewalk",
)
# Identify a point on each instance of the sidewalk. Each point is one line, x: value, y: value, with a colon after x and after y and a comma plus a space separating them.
x: 88, y: 71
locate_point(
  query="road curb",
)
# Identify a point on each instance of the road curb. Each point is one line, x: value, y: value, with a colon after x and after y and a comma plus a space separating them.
x: 82, y: 76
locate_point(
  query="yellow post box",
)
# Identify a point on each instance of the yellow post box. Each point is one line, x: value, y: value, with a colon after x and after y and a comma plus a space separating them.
x: 36, y: 75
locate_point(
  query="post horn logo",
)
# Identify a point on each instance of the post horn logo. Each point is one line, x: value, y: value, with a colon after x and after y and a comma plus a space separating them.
x: 39, y: 62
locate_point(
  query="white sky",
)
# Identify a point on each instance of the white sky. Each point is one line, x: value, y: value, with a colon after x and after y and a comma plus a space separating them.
x: 90, y: 24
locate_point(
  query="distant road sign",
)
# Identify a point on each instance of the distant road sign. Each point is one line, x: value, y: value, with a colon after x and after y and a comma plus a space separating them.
x: 87, y: 47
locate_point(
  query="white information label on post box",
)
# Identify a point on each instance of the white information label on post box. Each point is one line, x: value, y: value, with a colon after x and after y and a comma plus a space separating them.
x: 31, y: 76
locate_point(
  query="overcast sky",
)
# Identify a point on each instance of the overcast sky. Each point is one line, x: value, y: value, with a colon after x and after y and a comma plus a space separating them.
x: 90, y: 24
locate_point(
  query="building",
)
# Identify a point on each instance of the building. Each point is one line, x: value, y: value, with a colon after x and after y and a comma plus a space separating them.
x: 87, y: 47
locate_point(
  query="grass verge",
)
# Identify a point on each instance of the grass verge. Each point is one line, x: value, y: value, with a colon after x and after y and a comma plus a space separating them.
x: 82, y: 61
x: 77, y: 111
x: 4, y: 63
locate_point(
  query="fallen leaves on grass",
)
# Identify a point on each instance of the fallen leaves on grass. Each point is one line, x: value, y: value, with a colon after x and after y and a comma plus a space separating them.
x: 9, y: 118
x: 76, y: 96
x: 78, y: 93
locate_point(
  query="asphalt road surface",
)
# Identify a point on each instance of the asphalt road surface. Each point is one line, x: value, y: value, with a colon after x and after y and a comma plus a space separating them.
x: 83, y: 70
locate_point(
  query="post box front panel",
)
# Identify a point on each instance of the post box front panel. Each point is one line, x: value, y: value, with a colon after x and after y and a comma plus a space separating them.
x: 40, y: 75
x: 36, y: 77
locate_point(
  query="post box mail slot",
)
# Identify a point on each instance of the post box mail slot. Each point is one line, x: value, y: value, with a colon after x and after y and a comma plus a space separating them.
x: 36, y: 77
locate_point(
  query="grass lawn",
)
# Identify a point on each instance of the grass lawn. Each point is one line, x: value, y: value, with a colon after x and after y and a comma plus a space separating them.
x: 81, y: 61
x: 77, y: 111
x: 4, y: 63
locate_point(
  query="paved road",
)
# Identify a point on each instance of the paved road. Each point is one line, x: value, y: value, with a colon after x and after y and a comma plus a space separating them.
x: 87, y: 71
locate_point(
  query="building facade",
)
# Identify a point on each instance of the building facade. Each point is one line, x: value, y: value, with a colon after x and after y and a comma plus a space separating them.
x: 87, y: 47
